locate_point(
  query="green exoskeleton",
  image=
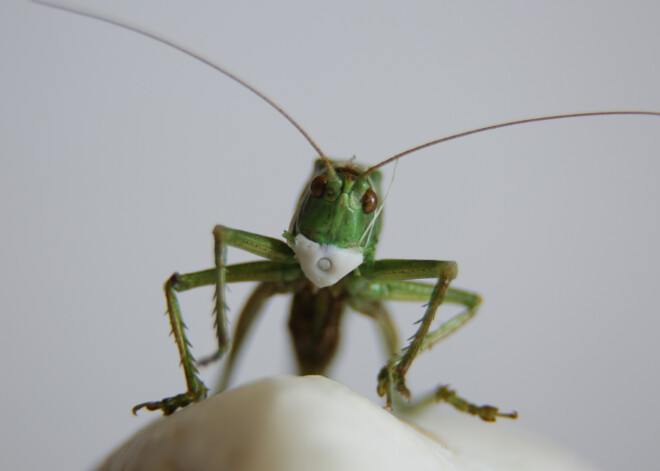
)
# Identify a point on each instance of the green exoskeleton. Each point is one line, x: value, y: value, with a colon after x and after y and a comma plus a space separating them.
x: 327, y: 263
x: 326, y: 260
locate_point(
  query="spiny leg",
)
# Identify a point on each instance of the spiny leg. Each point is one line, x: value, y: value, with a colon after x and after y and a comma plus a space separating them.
x: 282, y: 269
x: 220, y: 310
x: 412, y: 291
x: 266, y: 247
x: 196, y: 389
x: 393, y: 374
x: 471, y: 302
x: 400, y: 290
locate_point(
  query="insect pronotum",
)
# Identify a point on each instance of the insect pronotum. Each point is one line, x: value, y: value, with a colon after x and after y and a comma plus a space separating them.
x: 327, y: 262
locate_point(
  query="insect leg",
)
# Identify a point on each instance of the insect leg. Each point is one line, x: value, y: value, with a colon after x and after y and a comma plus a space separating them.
x: 196, y: 389
x: 378, y: 312
x: 263, y: 246
x: 253, y: 307
x: 412, y: 291
x: 284, y: 270
x: 393, y: 374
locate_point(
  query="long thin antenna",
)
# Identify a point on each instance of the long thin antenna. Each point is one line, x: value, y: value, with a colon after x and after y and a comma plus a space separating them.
x: 503, y: 125
x: 200, y: 58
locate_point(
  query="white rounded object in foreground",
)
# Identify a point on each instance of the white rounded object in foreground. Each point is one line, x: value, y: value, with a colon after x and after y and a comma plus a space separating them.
x: 313, y: 423
x: 325, y: 265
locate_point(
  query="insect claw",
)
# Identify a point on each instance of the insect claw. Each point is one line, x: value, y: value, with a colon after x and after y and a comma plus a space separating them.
x: 404, y: 391
x: 170, y: 404
x: 138, y: 407
x: 486, y: 412
x: 509, y: 415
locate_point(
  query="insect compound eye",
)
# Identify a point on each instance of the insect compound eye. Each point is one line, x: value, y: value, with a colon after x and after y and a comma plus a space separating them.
x: 317, y: 187
x: 369, y: 201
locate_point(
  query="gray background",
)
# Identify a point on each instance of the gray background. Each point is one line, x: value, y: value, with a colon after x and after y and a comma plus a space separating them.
x: 118, y: 155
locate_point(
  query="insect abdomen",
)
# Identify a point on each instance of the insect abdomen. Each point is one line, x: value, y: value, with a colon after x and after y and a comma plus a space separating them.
x: 314, y: 327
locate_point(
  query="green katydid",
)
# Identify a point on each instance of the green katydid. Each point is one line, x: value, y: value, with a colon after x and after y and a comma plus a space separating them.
x: 327, y: 262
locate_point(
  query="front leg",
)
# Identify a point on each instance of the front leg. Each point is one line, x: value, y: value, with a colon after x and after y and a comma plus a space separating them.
x: 282, y: 267
x: 267, y: 247
x: 196, y: 389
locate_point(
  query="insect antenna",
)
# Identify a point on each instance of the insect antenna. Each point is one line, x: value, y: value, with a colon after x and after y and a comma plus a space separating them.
x: 503, y: 125
x: 200, y: 58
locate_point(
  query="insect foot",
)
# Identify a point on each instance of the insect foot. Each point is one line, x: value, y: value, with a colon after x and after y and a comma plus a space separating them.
x: 486, y: 412
x: 390, y: 377
x: 170, y: 404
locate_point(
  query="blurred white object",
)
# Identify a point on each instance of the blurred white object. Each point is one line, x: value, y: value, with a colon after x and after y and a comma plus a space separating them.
x: 311, y: 422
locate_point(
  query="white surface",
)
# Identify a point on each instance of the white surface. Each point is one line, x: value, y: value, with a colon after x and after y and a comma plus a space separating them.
x: 298, y: 423
x: 341, y: 261
x: 118, y: 156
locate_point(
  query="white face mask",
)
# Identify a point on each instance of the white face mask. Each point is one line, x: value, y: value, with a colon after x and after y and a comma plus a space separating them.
x: 325, y: 265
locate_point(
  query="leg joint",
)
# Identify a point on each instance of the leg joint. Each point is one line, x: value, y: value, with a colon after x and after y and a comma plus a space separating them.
x: 448, y: 270
x: 220, y: 231
x: 174, y: 283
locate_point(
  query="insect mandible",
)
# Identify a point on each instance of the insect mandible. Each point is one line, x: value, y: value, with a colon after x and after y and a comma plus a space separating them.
x: 327, y: 262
